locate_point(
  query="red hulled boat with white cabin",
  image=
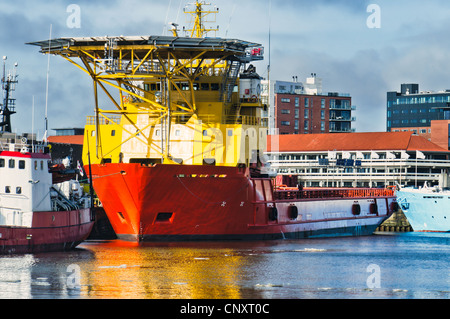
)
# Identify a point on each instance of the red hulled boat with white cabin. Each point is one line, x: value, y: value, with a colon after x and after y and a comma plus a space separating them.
x: 35, y: 214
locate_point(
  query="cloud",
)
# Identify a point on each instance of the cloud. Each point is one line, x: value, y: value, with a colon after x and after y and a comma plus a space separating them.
x: 327, y: 37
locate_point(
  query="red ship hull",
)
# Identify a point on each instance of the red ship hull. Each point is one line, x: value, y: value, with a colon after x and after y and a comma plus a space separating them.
x: 50, y: 231
x: 182, y: 202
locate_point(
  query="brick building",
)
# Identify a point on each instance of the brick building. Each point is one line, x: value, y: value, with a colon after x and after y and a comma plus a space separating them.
x: 297, y: 108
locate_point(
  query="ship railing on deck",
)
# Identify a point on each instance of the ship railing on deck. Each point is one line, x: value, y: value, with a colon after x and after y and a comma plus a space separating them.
x: 114, y: 119
x: 332, y: 193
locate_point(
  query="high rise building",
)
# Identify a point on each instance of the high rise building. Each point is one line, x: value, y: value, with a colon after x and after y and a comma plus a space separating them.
x: 412, y: 110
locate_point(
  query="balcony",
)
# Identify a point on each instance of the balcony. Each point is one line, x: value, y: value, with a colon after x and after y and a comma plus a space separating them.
x: 341, y: 130
x: 342, y: 118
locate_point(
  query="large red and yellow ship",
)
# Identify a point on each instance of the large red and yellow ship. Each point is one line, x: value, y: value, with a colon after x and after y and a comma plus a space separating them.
x: 180, y: 155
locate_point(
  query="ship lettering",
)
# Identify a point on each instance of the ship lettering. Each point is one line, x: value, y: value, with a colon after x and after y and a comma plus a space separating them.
x: 192, y: 309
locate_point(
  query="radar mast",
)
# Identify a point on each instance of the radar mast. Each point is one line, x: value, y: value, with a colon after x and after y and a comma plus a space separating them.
x: 9, y: 81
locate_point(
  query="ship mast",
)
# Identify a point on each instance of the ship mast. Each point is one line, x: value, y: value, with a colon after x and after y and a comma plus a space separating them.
x: 199, y: 29
x: 9, y: 82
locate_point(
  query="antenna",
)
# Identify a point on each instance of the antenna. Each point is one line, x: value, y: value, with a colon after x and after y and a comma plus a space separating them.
x: 32, y: 126
x: 46, y: 89
x: 199, y: 19
x: 229, y: 22
x: 167, y: 17
x: 269, y: 100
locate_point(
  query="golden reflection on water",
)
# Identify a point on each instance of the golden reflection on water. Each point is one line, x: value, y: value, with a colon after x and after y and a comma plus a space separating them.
x: 183, y: 271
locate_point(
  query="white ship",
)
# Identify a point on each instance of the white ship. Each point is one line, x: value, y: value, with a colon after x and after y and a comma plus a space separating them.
x: 427, y: 209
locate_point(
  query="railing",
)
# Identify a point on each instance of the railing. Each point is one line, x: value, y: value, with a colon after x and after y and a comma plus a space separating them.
x: 90, y: 120
x: 333, y: 193
x: 245, y: 120
x: 21, y: 144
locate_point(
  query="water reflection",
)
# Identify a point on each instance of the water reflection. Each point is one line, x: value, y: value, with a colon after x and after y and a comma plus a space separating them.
x: 412, y: 266
x: 188, y: 271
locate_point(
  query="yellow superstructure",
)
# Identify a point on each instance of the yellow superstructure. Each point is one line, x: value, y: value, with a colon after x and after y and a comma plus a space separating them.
x: 179, y: 100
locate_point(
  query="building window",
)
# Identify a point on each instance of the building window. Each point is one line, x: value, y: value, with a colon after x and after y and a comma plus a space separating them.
x: 306, y: 125
x: 297, y: 113
x: 322, y: 103
x: 285, y: 123
x: 297, y: 102
x: 322, y: 125
x: 296, y: 125
x: 21, y: 164
x: 284, y: 100
x: 322, y: 114
x: 2, y: 162
x: 285, y: 111
x: 306, y: 102
x: 11, y: 163
x: 306, y: 114
x: 8, y: 189
x: 332, y: 103
x: 18, y: 190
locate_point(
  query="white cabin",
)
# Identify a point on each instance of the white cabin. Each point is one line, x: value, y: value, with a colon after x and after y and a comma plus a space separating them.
x: 25, y: 184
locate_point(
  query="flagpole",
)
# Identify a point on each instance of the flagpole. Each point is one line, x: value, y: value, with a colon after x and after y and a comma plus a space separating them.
x: 416, y: 169
x: 370, y: 170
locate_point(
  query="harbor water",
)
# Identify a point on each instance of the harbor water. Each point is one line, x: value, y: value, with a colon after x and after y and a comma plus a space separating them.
x: 386, y: 265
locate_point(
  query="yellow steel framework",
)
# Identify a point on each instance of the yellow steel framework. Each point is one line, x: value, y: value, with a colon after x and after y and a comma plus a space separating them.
x: 175, y: 64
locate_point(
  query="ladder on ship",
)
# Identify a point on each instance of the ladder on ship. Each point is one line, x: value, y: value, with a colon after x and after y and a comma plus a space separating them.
x: 229, y: 81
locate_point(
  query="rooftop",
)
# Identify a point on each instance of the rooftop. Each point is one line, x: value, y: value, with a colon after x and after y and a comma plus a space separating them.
x: 67, y: 139
x: 373, y: 141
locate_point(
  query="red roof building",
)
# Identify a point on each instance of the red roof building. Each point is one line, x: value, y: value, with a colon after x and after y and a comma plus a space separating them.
x: 375, y: 159
x: 66, y: 139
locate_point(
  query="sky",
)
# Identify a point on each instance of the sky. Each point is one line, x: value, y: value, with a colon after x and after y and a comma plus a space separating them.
x: 353, y: 47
